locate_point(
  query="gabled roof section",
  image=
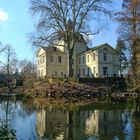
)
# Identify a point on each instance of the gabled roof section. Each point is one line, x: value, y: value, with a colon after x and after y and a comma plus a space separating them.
x: 103, y: 45
x: 49, y: 49
x: 98, y: 47
x: 38, y: 51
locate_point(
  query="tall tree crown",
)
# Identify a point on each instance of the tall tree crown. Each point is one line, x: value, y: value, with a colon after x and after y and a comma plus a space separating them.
x: 66, y: 16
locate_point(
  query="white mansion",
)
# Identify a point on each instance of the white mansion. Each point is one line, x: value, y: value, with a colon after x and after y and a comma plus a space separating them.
x: 99, y: 61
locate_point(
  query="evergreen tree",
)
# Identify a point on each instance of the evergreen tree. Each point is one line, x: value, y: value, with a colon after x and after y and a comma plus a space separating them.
x: 123, y: 62
x: 130, y: 32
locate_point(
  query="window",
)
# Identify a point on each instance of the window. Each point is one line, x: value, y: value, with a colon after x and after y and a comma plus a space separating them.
x: 43, y: 59
x: 79, y: 60
x: 83, y: 59
x: 83, y: 72
x: 51, y: 58
x: 94, y: 70
x: 105, y: 71
x: 104, y: 49
x: 55, y: 73
x: 105, y: 56
x: 79, y: 71
x: 54, y: 48
x: 94, y: 57
x: 88, y: 58
x: 59, y: 59
x: 61, y: 73
x: 88, y: 72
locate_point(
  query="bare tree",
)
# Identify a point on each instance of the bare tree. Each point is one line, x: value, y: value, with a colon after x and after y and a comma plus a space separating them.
x: 2, y: 48
x: 130, y: 33
x: 9, y: 63
x: 68, y: 20
x: 27, y: 71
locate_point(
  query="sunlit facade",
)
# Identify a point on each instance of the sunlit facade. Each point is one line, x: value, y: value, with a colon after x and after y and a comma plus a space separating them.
x: 99, y: 61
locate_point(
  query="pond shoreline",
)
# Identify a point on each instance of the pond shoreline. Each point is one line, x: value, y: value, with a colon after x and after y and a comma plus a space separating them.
x: 75, y: 93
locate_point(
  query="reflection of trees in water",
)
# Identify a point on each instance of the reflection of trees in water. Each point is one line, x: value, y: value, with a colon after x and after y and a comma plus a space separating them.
x: 11, y: 111
x: 128, y: 128
x: 6, y: 132
x: 17, y: 112
x: 28, y: 107
x: 136, y: 119
x: 118, y: 125
x: 110, y: 123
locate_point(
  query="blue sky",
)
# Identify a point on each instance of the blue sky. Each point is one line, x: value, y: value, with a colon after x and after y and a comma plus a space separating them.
x: 16, y: 23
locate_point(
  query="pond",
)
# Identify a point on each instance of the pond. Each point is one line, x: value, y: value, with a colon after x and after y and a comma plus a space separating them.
x: 86, y: 122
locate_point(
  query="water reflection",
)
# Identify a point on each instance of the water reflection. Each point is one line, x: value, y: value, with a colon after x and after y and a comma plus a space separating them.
x: 85, y: 124
x: 136, y: 120
x: 18, y: 118
x: 80, y: 123
x: 6, y: 131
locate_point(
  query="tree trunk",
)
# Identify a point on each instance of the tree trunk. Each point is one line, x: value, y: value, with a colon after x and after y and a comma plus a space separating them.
x: 8, y: 71
x: 135, y: 46
x: 70, y: 69
x: 136, y: 63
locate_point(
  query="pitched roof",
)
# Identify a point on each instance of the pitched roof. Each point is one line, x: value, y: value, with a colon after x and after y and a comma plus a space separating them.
x: 49, y: 49
x: 97, y: 47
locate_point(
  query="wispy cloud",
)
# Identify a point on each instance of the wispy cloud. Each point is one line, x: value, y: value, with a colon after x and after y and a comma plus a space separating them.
x: 3, y: 16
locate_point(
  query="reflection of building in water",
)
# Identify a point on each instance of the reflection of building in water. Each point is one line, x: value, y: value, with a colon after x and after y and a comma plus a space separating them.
x: 57, y: 124
x: 88, y: 121
x: 79, y: 124
x: 85, y: 124
x: 92, y: 123
x: 41, y: 122
x: 52, y: 124
x: 103, y: 123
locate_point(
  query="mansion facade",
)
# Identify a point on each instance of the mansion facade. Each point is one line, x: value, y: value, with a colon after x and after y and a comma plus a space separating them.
x: 87, y: 62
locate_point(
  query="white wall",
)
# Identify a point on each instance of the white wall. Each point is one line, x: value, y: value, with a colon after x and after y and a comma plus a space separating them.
x: 112, y: 59
x: 111, y: 62
x: 55, y: 68
x: 41, y: 63
x: 90, y: 65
